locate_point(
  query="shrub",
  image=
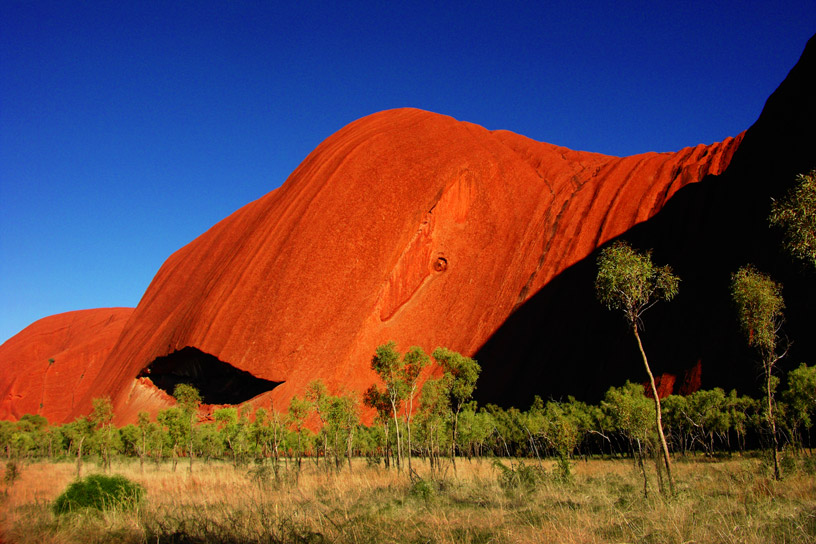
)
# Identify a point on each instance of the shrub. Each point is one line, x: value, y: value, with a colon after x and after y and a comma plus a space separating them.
x: 423, y: 489
x: 518, y: 476
x: 99, y: 492
x: 12, y: 473
x: 261, y: 474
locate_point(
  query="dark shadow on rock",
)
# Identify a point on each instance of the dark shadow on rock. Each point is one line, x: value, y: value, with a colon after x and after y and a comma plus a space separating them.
x: 563, y: 342
x: 217, y: 382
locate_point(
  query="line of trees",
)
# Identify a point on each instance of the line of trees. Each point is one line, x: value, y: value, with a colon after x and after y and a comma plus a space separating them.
x: 707, y: 422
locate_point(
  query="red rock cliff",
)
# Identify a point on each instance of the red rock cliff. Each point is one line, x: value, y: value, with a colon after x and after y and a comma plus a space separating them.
x: 49, y: 366
x: 404, y: 225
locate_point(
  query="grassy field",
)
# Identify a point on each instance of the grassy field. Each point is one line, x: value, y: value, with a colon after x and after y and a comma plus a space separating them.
x: 732, y: 500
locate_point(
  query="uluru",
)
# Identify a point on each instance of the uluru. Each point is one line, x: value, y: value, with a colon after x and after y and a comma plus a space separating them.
x: 412, y: 226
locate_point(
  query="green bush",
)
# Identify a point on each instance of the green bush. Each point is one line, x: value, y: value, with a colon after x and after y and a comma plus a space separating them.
x: 12, y: 473
x: 99, y: 492
x: 423, y: 489
x: 518, y: 476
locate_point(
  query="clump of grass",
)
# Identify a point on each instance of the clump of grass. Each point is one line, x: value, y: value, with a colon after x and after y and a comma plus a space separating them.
x: 12, y: 473
x: 518, y: 476
x: 99, y: 492
x: 423, y: 489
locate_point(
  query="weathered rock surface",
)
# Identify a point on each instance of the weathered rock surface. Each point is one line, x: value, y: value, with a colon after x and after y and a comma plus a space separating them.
x: 48, y: 367
x: 405, y: 225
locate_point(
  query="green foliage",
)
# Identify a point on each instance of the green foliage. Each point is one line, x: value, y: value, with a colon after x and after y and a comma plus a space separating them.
x: 759, y: 306
x: 628, y: 280
x: 630, y: 412
x: 800, y: 398
x: 519, y: 476
x: 389, y: 367
x: 463, y: 372
x: 187, y: 397
x: 12, y: 473
x: 423, y: 489
x: 796, y: 215
x: 99, y: 492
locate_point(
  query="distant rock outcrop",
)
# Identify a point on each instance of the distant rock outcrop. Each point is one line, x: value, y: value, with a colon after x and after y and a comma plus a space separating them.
x: 48, y: 367
x: 415, y: 227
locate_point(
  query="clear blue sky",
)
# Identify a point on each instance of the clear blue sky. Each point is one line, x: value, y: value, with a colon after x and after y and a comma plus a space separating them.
x: 129, y: 128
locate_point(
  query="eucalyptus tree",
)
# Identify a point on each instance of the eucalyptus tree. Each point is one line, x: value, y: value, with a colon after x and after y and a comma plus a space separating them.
x: 188, y: 399
x: 740, y: 413
x: 413, y: 363
x: 628, y: 281
x: 233, y: 424
x: 299, y: 409
x: 267, y: 431
x: 759, y: 309
x: 708, y: 416
x: 376, y: 398
x: 173, y: 427
x: 629, y: 412
x: 102, y: 418
x: 800, y: 397
x: 78, y: 431
x: 134, y: 438
x: 342, y: 419
x: 388, y: 365
x: 796, y: 215
x: 461, y: 374
x: 318, y: 395
x: 434, y: 406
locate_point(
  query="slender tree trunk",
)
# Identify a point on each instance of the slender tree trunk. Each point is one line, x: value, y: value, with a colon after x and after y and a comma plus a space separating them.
x: 396, y: 430
x: 79, y: 458
x: 143, y: 451
x: 453, y: 439
x: 639, y: 461
x: 387, y: 445
x: 660, y: 483
x: 658, y: 416
x: 408, y: 419
x: 772, y: 421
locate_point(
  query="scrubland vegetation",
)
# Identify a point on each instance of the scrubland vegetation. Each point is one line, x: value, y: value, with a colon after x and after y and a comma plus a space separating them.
x: 432, y: 466
x: 556, y: 472
x: 724, y: 500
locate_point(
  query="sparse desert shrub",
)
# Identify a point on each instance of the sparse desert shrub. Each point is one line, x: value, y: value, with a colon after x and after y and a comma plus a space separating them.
x: 12, y: 473
x: 100, y: 492
x: 261, y: 474
x: 423, y: 489
x: 564, y: 469
x: 809, y: 465
x: 518, y: 476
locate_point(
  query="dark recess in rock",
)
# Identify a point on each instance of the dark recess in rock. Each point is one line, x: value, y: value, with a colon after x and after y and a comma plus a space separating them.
x: 217, y: 382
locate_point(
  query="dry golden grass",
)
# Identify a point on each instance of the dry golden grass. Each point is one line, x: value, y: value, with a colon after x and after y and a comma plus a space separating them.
x: 728, y: 501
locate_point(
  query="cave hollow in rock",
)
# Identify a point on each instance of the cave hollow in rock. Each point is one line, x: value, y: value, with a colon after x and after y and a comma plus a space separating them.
x: 217, y: 382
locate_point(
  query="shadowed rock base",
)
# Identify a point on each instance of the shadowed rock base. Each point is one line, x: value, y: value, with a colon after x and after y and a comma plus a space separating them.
x: 217, y: 382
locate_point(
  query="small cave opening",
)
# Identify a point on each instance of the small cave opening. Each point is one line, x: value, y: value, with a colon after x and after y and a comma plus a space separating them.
x: 217, y: 382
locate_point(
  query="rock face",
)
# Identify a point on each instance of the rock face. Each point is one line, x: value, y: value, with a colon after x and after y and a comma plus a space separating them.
x: 405, y: 225
x: 49, y: 366
x: 415, y: 227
